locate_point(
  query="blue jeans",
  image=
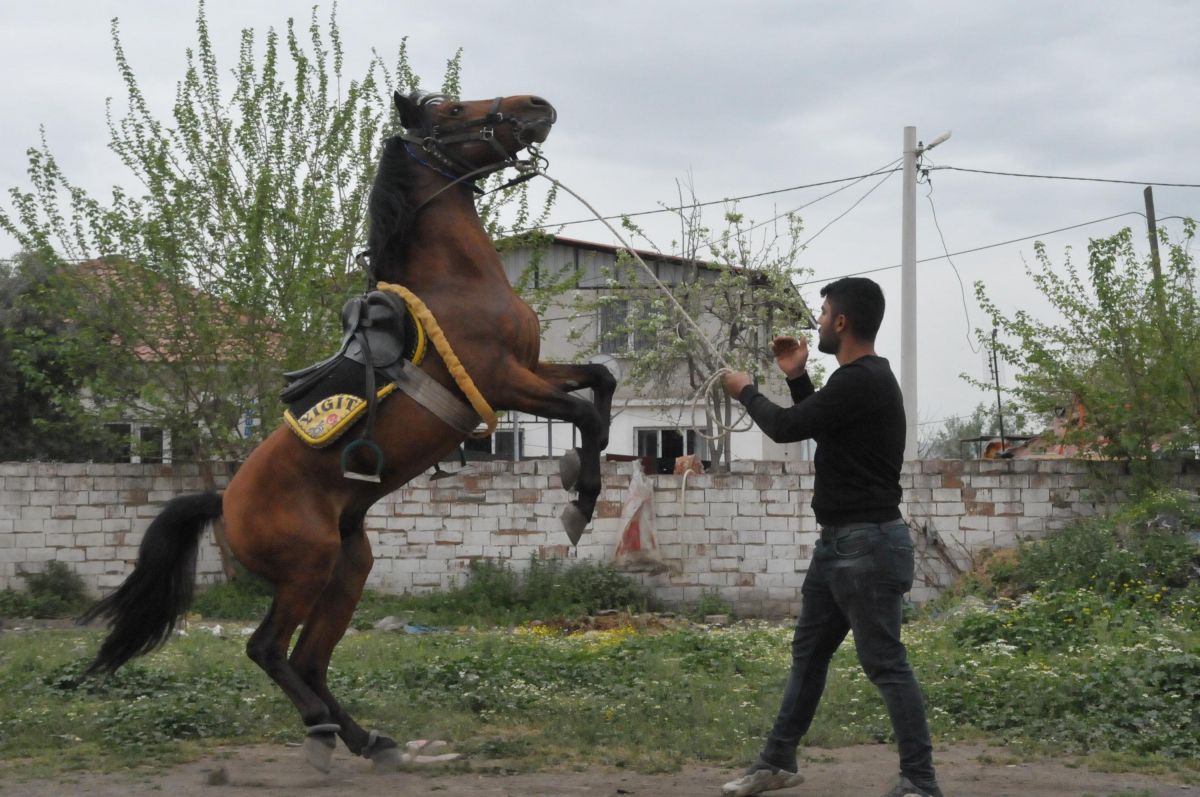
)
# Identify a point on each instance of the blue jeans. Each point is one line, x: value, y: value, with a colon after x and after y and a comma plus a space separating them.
x: 857, y: 580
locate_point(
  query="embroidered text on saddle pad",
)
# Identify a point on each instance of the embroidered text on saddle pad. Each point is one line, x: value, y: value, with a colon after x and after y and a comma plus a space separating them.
x: 329, y: 418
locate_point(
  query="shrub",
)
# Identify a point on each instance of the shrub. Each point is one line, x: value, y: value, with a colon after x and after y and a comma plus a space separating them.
x: 247, y: 597
x: 57, y: 591
x: 1135, y: 554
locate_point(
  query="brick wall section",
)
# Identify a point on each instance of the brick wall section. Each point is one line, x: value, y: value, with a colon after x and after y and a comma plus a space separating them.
x: 748, y: 534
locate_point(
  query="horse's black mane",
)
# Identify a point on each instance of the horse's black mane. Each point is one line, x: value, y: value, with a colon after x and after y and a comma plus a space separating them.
x: 389, y: 208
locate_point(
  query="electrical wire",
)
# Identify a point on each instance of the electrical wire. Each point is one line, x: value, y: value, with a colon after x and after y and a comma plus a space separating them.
x: 985, y: 246
x: 676, y: 209
x: 1062, y: 177
x: 961, y: 288
x: 810, y: 203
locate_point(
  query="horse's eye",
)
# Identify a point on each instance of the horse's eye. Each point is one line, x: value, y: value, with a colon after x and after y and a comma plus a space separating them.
x: 456, y: 110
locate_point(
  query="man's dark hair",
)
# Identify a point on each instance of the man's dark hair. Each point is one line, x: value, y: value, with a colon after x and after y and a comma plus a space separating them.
x: 860, y: 300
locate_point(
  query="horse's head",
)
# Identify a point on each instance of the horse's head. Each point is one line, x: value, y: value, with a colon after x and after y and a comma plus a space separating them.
x: 473, y: 135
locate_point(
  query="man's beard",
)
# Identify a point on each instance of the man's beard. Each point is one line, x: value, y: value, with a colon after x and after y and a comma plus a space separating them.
x: 829, y: 344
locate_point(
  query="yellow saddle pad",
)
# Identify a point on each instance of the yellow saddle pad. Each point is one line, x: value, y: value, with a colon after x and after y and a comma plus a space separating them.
x: 329, y: 418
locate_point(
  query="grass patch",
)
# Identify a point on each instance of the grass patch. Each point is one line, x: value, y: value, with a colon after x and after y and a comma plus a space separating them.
x: 1105, y: 671
x: 494, y: 594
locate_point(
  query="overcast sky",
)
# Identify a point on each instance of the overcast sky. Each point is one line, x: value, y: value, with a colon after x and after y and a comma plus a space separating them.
x: 739, y: 98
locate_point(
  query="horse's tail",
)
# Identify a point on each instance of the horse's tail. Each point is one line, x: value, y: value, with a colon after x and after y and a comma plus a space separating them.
x: 143, y: 610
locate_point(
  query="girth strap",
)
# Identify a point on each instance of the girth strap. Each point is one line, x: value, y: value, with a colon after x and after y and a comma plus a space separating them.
x: 427, y: 392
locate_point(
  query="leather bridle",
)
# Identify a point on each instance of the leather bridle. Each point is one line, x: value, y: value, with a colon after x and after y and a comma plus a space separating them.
x: 434, y: 139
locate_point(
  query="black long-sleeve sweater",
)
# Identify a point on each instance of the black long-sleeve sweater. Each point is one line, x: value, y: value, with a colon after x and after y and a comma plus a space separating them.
x: 857, y: 421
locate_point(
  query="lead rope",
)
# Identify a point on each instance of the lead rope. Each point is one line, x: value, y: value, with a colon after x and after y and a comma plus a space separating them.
x: 723, y: 429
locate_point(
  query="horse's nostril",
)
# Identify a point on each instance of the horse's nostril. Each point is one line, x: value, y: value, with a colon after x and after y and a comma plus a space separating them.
x: 538, y: 102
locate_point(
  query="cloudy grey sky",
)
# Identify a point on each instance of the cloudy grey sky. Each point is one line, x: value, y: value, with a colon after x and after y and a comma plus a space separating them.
x: 739, y: 98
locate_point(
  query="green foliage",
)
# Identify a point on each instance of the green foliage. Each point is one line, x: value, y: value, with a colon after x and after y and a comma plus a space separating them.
x: 710, y: 603
x: 1127, y: 348
x: 231, y: 258
x: 944, y: 442
x: 1137, y: 555
x: 244, y: 598
x: 57, y: 591
x: 495, y: 594
x: 43, y: 367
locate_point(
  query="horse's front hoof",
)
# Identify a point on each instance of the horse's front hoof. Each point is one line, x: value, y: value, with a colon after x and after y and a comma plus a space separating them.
x: 318, y: 750
x: 569, y: 466
x: 573, y: 523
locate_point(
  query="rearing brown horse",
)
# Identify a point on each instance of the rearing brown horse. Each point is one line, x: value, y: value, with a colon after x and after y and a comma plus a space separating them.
x: 290, y: 516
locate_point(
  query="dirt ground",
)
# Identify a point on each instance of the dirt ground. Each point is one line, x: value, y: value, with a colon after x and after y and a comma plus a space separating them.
x: 964, y: 771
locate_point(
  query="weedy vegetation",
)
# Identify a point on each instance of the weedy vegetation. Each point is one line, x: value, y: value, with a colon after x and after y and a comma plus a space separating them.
x: 1084, y: 645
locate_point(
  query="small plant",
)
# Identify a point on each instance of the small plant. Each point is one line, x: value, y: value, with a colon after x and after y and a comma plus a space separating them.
x: 57, y: 591
x: 247, y: 597
x: 710, y: 603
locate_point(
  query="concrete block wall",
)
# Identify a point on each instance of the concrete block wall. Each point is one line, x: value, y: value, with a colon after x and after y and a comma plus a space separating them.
x: 747, y: 535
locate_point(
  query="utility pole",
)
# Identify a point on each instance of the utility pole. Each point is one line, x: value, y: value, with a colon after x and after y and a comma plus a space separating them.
x: 1152, y: 225
x: 908, y: 284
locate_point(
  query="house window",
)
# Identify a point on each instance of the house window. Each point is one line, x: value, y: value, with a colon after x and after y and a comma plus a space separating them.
x: 619, y: 333
x: 122, y: 442
x: 665, y: 445
x: 150, y: 445
x: 503, y: 444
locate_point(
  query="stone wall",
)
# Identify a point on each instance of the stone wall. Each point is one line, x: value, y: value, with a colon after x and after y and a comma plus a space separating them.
x: 748, y: 534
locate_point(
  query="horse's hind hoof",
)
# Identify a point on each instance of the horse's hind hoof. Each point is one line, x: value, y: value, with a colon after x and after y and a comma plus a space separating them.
x: 573, y: 523
x: 386, y: 760
x: 382, y: 752
x: 569, y: 466
x: 318, y: 746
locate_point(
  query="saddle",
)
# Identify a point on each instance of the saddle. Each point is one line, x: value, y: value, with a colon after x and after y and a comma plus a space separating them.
x: 376, y: 327
x: 382, y: 343
x: 328, y: 397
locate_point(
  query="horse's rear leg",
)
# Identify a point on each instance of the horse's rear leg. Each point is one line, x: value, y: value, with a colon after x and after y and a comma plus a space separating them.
x: 324, y: 628
x: 268, y: 646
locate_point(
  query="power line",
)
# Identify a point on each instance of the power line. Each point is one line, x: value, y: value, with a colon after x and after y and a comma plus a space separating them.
x: 1062, y: 177
x: 986, y: 246
x: 961, y: 288
x: 678, y: 208
x: 881, y: 170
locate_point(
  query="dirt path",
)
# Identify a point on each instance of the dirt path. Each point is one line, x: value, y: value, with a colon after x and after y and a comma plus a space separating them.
x: 964, y: 770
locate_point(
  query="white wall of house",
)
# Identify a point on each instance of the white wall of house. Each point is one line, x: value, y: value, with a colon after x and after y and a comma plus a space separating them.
x: 633, y: 415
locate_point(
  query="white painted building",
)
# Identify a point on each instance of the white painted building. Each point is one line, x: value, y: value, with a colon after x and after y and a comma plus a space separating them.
x: 663, y: 426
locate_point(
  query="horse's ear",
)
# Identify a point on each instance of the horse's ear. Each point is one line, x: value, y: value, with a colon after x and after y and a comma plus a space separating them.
x: 411, y: 114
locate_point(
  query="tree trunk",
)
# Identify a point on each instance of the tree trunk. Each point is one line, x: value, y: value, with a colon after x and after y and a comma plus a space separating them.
x: 210, y: 485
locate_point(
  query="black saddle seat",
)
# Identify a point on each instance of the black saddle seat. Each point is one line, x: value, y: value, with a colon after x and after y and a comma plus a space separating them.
x: 376, y: 323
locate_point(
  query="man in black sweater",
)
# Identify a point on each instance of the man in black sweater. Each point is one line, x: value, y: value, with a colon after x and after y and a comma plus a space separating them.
x: 863, y: 562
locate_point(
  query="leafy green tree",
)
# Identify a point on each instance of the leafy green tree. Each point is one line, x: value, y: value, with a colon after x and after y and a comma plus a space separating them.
x: 44, y: 366
x: 945, y: 440
x: 739, y: 285
x: 230, y: 258
x: 1126, y: 347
